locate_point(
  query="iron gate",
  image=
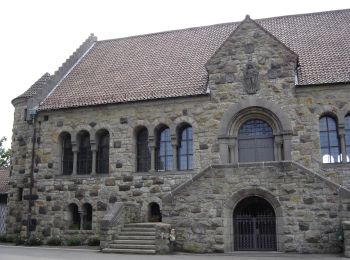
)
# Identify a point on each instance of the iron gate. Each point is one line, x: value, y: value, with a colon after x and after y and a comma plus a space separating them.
x: 3, y: 212
x: 254, y: 225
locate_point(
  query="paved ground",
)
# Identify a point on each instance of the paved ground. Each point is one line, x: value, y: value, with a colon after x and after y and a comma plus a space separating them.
x: 41, y: 253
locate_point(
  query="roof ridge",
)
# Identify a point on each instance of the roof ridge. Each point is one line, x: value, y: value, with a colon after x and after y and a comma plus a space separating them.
x: 220, y: 24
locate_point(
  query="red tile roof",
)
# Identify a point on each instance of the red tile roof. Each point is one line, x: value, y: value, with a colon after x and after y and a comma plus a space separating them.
x: 171, y: 64
x: 4, y: 179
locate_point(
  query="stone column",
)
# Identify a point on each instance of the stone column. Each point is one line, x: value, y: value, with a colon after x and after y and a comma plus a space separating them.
x: 346, y: 229
x: 278, y: 148
x: 152, y: 147
x: 75, y: 158
x: 342, y: 143
x: 174, y: 145
x: 287, y: 147
x: 93, y: 165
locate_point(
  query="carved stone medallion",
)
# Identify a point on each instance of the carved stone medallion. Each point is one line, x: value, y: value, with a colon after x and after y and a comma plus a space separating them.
x: 251, y: 78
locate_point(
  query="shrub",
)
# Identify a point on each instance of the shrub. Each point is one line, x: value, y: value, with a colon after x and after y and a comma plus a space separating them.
x: 54, y: 241
x: 93, y: 241
x: 34, y: 241
x: 18, y: 240
x: 11, y: 238
x: 74, y: 241
x: 3, y: 238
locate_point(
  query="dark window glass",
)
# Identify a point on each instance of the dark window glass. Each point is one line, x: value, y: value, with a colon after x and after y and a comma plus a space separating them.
x: 102, y: 155
x: 347, y: 137
x: 164, y: 158
x: 143, y: 153
x: 87, y: 216
x: 329, y: 140
x: 20, y: 194
x: 185, y: 150
x: 84, y: 154
x: 255, y: 141
x: 67, y: 155
x: 74, y: 217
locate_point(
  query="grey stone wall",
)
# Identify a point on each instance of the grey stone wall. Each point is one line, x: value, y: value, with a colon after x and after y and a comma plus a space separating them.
x: 308, y: 210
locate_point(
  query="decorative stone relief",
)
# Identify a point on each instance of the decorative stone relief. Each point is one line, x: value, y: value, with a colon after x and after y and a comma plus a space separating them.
x: 251, y: 78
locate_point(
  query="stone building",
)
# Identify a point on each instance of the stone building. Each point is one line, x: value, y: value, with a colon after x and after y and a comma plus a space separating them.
x: 237, y: 135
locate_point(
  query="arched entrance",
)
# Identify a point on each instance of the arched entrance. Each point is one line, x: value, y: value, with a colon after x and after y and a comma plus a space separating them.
x: 254, y: 225
x: 154, y: 214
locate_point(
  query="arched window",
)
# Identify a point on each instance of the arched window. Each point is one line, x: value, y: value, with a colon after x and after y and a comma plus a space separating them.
x: 102, y: 155
x: 73, y: 217
x: 330, y: 149
x: 255, y: 141
x: 164, y: 150
x: 143, y: 154
x: 87, y: 216
x: 347, y: 137
x: 185, y: 150
x: 84, y: 154
x: 67, y: 154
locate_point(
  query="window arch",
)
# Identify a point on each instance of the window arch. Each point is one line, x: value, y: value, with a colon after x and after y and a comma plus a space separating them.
x: 164, y: 150
x: 347, y: 137
x: 73, y: 217
x: 329, y: 140
x: 255, y: 141
x: 185, y: 148
x: 102, y: 155
x: 87, y: 216
x: 143, y: 155
x: 66, y: 154
x: 84, y: 154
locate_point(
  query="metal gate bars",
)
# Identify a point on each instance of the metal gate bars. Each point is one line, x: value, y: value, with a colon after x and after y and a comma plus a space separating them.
x: 254, y: 225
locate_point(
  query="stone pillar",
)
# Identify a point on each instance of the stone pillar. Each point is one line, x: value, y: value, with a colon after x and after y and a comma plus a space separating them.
x: 75, y: 159
x: 223, y: 147
x: 342, y: 143
x: 174, y: 145
x: 152, y: 147
x: 93, y: 165
x: 278, y: 148
x: 346, y: 229
x: 287, y: 147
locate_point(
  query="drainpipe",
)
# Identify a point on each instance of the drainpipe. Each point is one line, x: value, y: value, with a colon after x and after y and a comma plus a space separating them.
x: 33, y: 114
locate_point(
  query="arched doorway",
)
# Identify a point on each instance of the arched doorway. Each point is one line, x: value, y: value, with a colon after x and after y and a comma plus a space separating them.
x: 254, y: 225
x: 154, y: 214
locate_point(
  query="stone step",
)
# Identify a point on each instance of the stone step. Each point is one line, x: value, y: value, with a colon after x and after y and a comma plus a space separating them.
x: 137, y: 225
x: 142, y: 242
x: 139, y: 229
x: 132, y: 246
x: 136, y: 237
x: 136, y: 233
x: 129, y: 251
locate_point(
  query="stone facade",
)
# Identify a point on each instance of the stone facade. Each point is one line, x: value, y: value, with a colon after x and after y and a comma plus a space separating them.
x: 252, y: 75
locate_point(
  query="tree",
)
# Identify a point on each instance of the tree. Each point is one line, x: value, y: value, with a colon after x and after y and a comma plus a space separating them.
x: 4, y: 154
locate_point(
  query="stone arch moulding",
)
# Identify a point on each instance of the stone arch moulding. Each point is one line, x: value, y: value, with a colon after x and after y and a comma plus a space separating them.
x: 231, y: 203
x: 250, y: 106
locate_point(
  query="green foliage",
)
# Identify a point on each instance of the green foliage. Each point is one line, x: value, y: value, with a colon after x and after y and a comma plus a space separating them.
x: 18, y: 240
x: 74, y: 226
x: 54, y: 241
x: 34, y: 241
x: 4, y: 154
x: 3, y: 239
x: 74, y: 241
x: 93, y: 241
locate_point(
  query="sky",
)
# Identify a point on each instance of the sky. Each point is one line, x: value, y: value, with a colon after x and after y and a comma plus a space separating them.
x: 37, y: 36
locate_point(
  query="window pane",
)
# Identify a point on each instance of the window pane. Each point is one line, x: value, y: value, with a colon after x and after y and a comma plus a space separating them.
x: 333, y: 139
x: 323, y: 124
x: 331, y: 123
x: 324, y: 139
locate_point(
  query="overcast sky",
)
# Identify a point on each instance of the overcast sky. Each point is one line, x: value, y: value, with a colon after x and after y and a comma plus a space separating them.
x: 37, y: 36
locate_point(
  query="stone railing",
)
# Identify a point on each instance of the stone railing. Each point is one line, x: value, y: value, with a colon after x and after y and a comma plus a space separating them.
x: 346, y: 229
x: 119, y: 214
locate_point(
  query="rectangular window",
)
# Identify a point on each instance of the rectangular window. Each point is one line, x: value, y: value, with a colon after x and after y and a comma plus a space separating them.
x: 20, y: 194
x: 25, y: 115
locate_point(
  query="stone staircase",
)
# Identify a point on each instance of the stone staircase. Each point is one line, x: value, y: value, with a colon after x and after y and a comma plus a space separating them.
x: 135, y: 238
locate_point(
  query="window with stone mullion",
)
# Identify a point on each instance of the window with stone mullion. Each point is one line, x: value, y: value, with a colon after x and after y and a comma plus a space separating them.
x: 329, y: 140
x: 143, y: 152
x: 84, y: 156
x: 185, y: 151
x: 102, y: 156
x: 164, y: 151
x: 67, y: 157
x: 347, y: 137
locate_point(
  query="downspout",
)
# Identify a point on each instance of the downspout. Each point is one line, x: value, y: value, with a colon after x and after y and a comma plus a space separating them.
x: 33, y: 115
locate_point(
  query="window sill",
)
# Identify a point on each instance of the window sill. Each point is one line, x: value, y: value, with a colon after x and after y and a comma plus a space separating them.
x: 164, y: 173
x: 335, y: 165
x: 74, y: 232
x: 81, y: 176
